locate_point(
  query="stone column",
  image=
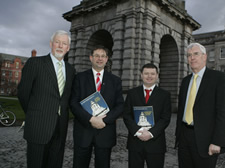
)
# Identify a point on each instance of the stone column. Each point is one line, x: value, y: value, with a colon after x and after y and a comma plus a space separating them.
x: 117, y: 49
x: 156, y: 41
x: 71, y: 58
x: 146, y: 47
x: 129, y: 54
x: 79, y: 52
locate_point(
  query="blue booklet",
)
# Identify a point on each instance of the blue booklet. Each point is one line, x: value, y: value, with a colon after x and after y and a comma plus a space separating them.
x: 95, y: 104
x: 144, y: 116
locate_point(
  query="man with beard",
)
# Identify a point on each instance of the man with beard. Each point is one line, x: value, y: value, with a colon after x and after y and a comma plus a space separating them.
x: 44, y: 92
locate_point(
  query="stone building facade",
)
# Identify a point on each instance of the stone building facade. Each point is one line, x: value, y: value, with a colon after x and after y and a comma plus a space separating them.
x: 214, y: 43
x: 10, y: 73
x: 136, y: 32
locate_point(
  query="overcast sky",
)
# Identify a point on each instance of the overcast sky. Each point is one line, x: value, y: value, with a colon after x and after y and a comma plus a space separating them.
x: 28, y: 24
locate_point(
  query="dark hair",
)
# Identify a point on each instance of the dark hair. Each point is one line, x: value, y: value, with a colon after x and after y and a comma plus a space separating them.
x: 99, y: 47
x: 149, y: 65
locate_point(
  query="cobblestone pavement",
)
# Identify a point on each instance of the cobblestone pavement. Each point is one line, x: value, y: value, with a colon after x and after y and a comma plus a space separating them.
x: 13, y: 148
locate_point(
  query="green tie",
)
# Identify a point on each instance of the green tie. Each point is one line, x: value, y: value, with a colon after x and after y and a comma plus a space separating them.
x: 60, y: 78
x: 191, y: 100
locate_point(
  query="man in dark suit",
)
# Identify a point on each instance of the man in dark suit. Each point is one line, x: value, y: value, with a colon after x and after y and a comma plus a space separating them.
x: 146, y: 144
x: 95, y: 131
x: 44, y: 92
x: 200, y: 132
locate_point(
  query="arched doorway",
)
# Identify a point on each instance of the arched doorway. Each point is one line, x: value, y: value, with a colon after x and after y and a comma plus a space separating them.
x: 104, y: 38
x: 169, y: 68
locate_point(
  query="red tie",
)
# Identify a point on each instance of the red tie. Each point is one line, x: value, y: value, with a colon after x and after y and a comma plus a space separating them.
x: 147, y: 95
x: 98, y: 82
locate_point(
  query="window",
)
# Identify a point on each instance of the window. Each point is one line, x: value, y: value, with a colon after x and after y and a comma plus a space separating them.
x: 211, y: 56
x: 2, y: 90
x: 222, y: 53
x: 16, y: 74
x: 10, y: 73
x: 3, y: 73
x: 17, y: 65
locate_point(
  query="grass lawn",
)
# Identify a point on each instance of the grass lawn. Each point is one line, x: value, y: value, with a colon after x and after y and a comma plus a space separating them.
x: 12, y: 104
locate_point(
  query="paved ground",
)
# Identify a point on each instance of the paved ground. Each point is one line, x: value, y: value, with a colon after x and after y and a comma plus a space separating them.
x: 13, y: 147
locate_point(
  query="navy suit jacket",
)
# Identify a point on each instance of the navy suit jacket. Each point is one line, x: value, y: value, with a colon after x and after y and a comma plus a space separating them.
x: 208, y: 110
x: 111, y: 90
x: 39, y: 96
x: 160, y: 100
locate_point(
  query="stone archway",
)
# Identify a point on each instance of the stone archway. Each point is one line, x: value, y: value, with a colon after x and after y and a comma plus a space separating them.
x: 104, y: 38
x: 169, y: 67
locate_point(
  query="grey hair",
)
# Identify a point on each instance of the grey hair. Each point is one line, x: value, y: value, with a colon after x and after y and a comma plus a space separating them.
x: 60, y: 32
x: 201, y: 47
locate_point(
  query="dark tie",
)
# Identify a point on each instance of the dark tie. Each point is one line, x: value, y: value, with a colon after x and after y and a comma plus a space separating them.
x: 98, y: 82
x: 147, y: 95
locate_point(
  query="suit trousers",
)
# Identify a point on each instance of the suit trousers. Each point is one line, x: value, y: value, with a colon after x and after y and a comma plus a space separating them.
x: 48, y: 155
x: 136, y: 159
x: 188, y: 156
x: 82, y: 157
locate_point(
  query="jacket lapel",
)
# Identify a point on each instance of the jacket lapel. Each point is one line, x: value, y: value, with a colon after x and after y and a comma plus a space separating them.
x: 140, y: 94
x: 91, y: 81
x: 51, y: 71
x: 203, y: 85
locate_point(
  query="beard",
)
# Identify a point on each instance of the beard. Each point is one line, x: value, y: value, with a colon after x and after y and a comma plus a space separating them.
x: 57, y: 54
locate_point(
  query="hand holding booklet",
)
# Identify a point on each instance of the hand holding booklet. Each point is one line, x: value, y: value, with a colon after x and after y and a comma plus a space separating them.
x: 95, y: 104
x: 144, y: 116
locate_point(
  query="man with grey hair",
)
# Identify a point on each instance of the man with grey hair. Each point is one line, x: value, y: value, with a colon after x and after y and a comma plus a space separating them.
x: 200, y: 131
x: 44, y: 92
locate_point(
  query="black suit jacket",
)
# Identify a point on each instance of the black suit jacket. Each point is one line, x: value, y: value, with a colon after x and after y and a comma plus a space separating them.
x: 111, y: 90
x: 39, y: 96
x: 208, y: 110
x: 160, y: 100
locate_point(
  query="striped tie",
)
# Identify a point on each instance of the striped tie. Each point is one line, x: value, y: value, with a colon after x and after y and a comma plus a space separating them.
x: 60, y: 78
x: 98, y: 82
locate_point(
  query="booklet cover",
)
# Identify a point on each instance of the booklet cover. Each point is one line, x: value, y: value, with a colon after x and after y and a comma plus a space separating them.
x: 144, y: 116
x: 95, y: 104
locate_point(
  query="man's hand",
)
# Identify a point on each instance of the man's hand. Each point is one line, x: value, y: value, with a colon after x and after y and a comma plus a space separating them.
x: 97, y: 122
x: 214, y: 149
x: 145, y: 135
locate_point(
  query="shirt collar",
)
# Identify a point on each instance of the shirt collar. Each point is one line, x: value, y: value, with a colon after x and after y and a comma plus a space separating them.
x: 95, y: 72
x: 201, y: 72
x: 55, y: 60
x: 152, y: 87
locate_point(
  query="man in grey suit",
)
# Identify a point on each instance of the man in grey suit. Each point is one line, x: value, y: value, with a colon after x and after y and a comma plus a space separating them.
x: 44, y: 92
x: 200, y: 132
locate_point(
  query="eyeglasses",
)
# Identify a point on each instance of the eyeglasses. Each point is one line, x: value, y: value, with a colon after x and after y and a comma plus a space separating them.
x: 99, y: 56
x: 195, y: 54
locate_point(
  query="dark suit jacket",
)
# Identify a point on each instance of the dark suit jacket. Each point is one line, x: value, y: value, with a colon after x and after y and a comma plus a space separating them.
x: 160, y: 100
x: 111, y: 90
x: 39, y: 96
x: 208, y: 110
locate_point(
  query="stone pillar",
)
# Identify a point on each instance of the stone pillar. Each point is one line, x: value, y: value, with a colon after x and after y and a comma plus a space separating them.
x: 129, y: 54
x: 138, y: 47
x: 71, y: 58
x: 79, y: 52
x: 156, y: 41
x: 117, y: 49
x: 146, y: 47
